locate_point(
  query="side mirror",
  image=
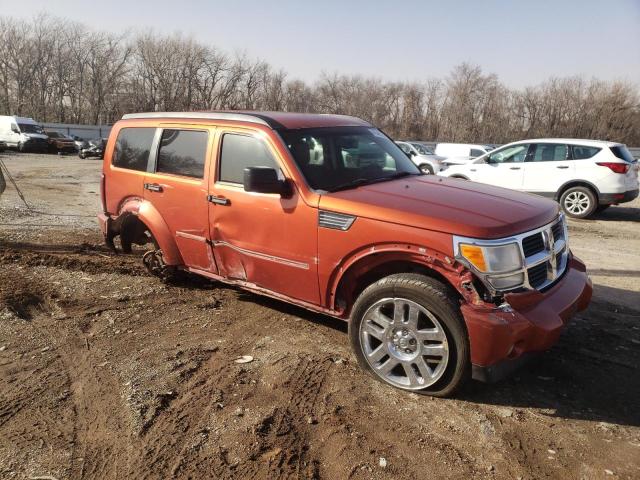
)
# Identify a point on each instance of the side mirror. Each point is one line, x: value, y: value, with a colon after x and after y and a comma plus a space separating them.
x: 14, y: 129
x: 264, y: 180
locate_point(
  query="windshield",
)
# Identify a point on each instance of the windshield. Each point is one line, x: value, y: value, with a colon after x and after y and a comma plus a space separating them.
x: 30, y: 128
x: 54, y: 135
x: 340, y: 157
x: 422, y: 149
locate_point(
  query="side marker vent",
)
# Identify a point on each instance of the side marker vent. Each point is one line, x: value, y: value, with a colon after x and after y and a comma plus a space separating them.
x: 337, y: 221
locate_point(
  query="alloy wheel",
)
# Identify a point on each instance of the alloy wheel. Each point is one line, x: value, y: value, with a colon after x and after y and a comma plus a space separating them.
x: 577, y: 203
x: 404, y: 343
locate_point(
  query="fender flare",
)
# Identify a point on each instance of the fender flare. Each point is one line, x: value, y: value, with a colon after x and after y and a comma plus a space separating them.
x: 151, y: 217
x: 375, y: 255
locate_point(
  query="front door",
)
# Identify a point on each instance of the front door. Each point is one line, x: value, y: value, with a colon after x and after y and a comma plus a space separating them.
x: 504, y: 167
x: 177, y: 187
x: 263, y: 239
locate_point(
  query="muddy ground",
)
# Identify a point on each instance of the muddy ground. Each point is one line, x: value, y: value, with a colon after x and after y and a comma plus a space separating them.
x: 107, y: 373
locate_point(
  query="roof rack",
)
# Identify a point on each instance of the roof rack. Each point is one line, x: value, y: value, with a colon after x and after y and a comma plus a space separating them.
x: 244, y: 117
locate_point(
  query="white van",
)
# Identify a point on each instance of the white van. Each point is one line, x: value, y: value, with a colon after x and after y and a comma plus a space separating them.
x: 23, y: 133
x: 460, y: 153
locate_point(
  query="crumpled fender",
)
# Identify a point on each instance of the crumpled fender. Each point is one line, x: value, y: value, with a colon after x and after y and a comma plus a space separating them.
x: 149, y: 215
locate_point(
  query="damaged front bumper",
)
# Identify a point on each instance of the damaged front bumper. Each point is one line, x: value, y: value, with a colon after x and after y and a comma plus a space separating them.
x: 504, y: 338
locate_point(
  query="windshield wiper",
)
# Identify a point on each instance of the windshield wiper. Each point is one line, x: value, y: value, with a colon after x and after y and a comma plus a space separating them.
x: 368, y: 181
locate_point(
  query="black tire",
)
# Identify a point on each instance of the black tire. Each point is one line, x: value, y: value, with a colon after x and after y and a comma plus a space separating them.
x: 21, y: 147
x: 578, y: 202
x: 440, y: 301
x: 426, y: 169
x: 82, y: 155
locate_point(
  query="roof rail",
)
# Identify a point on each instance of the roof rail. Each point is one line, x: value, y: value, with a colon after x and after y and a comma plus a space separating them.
x: 243, y: 117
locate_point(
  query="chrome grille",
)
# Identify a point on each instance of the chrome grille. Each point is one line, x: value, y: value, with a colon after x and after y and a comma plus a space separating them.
x: 544, y: 266
x: 532, y: 244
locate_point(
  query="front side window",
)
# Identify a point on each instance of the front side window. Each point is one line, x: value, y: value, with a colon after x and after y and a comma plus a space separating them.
x: 242, y: 151
x: 513, y: 154
x: 550, y: 152
x: 132, y: 148
x: 351, y: 156
x: 405, y: 148
x: 422, y: 149
x: 182, y: 152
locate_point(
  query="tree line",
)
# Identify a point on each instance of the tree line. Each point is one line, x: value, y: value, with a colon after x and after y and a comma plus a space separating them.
x: 60, y: 71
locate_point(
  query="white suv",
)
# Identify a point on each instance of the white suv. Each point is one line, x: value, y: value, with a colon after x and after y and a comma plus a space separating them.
x: 422, y: 155
x: 584, y: 176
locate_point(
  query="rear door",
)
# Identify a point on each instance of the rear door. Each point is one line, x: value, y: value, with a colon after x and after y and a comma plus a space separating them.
x: 176, y: 186
x: 548, y: 167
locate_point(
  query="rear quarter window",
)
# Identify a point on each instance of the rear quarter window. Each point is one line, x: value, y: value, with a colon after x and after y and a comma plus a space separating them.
x: 132, y: 148
x: 622, y: 152
x: 581, y: 152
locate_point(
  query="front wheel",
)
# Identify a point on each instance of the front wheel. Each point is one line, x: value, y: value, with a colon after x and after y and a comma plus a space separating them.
x: 407, y: 331
x: 578, y: 202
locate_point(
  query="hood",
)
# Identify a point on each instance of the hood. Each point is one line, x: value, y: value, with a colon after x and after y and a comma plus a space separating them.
x: 450, y: 205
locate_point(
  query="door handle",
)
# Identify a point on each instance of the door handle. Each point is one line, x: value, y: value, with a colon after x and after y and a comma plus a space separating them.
x: 153, y: 187
x: 218, y: 200
x: 562, y: 166
x: 514, y: 168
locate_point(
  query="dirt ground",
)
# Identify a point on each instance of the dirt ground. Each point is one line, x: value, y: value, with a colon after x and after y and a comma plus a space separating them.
x: 107, y: 373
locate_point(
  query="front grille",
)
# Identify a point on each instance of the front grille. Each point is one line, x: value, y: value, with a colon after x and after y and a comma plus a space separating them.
x: 537, y: 275
x: 558, y: 231
x: 532, y: 244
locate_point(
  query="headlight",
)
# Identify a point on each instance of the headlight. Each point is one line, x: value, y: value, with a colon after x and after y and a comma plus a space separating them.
x: 494, y: 258
x: 499, y: 265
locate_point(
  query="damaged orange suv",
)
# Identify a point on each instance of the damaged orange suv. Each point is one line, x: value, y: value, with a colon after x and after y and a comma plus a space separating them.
x: 439, y: 279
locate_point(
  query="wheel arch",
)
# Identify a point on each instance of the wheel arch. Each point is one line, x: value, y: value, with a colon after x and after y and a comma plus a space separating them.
x: 136, y: 211
x: 577, y: 183
x: 363, y: 268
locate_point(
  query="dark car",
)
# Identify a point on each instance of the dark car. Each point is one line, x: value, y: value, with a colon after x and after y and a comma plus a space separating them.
x: 59, y: 143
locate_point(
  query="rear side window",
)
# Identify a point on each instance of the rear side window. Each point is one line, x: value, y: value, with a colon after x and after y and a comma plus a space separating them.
x: 550, y: 152
x: 182, y: 152
x: 242, y: 151
x: 621, y: 151
x: 132, y: 148
x: 581, y: 152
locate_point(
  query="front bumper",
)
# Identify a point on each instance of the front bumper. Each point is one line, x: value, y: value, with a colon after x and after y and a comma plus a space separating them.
x: 615, y: 198
x: 502, y: 339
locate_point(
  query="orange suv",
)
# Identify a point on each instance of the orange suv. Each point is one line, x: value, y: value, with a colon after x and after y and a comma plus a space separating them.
x: 439, y: 279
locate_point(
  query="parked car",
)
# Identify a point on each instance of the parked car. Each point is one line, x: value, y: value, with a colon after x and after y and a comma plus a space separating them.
x: 428, y: 162
x: 460, y: 153
x: 439, y: 280
x: 584, y: 176
x: 60, y: 143
x: 79, y: 142
x: 92, y: 148
x: 23, y: 133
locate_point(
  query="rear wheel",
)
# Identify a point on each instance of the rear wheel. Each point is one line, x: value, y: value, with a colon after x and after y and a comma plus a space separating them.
x: 407, y: 331
x: 578, y: 202
x: 22, y: 147
x: 426, y: 169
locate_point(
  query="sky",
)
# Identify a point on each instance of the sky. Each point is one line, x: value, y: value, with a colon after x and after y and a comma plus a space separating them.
x: 524, y: 42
